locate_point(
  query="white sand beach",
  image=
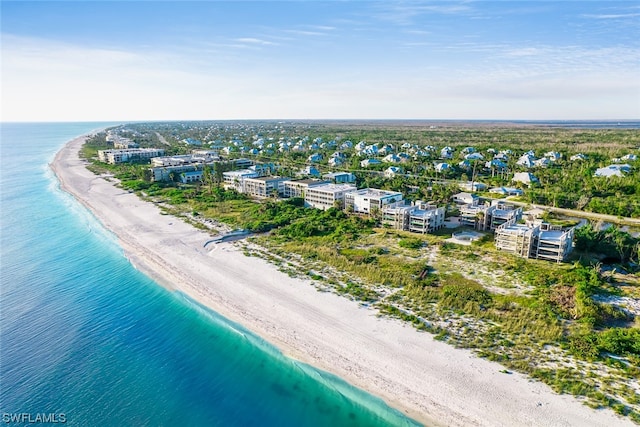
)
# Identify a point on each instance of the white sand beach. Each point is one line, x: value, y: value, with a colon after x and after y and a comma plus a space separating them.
x: 427, y: 379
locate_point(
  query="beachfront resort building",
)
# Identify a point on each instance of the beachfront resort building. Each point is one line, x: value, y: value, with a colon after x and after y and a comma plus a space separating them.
x: 126, y: 155
x: 173, y: 167
x: 369, y: 200
x: 235, y: 179
x: 191, y: 176
x: 299, y: 187
x: 418, y: 217
x: 488, y: 216
x: 327, y: 195
x: 536, y: 240
x: 264, y: 186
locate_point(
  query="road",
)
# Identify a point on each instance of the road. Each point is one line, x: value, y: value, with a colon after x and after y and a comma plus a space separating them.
x: 634, y: 222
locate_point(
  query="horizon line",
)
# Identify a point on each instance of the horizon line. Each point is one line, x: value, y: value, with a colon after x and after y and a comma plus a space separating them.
x: 321, y: 120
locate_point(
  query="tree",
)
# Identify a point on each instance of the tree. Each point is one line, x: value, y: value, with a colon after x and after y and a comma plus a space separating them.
x: 207, y: 178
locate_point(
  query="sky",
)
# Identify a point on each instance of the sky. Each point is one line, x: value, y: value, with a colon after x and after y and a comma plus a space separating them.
x: 208, y: 60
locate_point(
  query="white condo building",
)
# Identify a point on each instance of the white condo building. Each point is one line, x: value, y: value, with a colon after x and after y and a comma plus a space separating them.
x: 368, y: 200
x: 327, y: 195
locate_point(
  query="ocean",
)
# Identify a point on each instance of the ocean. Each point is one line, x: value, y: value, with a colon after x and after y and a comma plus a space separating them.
x: 86, y: 339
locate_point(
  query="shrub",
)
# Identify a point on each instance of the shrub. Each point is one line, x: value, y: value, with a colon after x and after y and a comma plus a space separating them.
x: 410, y: 243
x: 464, y: 294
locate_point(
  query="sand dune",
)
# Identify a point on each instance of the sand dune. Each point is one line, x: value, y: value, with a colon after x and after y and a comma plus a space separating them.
x: 429, y: 380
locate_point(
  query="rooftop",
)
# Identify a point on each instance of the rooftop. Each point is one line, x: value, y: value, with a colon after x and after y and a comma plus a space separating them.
x: 307, y: 181
x: 516, y: 229
x: 333, y: 188
x: 374, y: 192
x: 269, y: 178
x: 551, y: 235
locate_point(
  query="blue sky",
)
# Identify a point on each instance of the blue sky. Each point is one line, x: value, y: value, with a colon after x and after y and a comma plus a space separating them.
x: 161, y: 60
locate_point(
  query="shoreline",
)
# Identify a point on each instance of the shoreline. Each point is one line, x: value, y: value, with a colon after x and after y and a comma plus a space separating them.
x: 427, y: 380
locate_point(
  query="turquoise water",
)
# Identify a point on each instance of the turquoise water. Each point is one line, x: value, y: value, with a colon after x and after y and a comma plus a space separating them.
x: 85, y: 335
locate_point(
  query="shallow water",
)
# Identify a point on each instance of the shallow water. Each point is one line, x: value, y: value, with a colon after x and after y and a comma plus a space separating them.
x: 86, y: 335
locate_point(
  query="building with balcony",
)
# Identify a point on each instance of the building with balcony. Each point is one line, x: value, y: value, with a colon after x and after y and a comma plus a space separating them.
x: 299, y: 187
x: 235, y: 179
x: 327, y: 195
x: 536, y: 240
x: 368, y: 200
x: 127, y: 155
x: 265, y: 186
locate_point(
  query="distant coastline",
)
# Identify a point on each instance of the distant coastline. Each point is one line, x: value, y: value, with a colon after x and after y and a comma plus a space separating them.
x: 569, y: 124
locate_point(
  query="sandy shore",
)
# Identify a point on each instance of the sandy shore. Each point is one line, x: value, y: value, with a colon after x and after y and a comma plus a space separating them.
x: 427, y: 379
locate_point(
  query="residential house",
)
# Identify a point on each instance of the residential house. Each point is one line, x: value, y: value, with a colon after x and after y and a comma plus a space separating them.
x: 340, y: 177
x: 542, y: 162
x: 526, y: 160
x: 315, y: 158
x: 191, y: 141
x: 369, y: 162
x: 264, y: 169
x: 392, y: 158
x: 507, y: 191
x: 392, y: 171
x: 446, y: 153
x: 525, y: 178
x: 465, y: 198
x: 309, y: 171
x: 613, y: 170
x: 473, y: 186
x: 442, y: 167
x: 496, y: 164
x: 465, y: 164
x: 474, y: 156
x: 554, y: 156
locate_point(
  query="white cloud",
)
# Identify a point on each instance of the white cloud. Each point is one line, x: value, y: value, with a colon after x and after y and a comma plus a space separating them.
x: 44, y: 80
x: 255, y: 41
x: 611, y: 15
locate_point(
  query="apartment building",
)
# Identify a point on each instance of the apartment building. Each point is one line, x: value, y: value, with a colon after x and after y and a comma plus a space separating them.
x: 265, y: 186
x: 235, y: 179
x: 327, y: 195
x: 535, y: 240
x: 500, y: 213
x: 126, y: 155
x: 553, y: 243
x: 397, y: 216
x: 368, y: 200
x: 485, y: 216
x: 419, y: 217
x: 299, y: 188
x: 426, y: 218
